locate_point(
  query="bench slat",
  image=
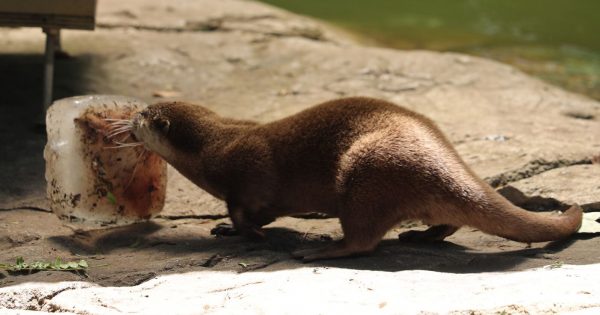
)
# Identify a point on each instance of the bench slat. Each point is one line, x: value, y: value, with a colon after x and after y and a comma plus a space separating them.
x: 76, y: 14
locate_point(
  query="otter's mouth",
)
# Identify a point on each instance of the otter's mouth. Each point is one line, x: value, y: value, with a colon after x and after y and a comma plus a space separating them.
x: 142, y: 129
x: 137, y: 120
x: 138, y: 123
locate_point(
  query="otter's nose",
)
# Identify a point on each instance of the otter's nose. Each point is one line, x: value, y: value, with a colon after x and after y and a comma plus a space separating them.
x: 137, y: 119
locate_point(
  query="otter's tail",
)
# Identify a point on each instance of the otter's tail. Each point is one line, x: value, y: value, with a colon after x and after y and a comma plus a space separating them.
x: 504, y: 219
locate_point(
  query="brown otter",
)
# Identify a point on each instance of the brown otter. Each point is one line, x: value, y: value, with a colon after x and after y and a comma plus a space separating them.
x: 369, y: 162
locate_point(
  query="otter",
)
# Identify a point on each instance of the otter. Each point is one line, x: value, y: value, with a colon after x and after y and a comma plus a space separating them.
x: 368, y: 162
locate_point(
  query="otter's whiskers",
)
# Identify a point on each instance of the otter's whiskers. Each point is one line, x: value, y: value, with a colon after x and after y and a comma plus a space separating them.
x: 118, y: 127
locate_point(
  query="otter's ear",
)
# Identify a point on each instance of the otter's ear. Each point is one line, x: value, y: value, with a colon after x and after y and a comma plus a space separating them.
x: 163, y: 125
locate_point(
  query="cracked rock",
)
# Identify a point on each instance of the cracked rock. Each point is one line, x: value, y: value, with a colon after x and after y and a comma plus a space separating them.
x: 571, y: 184
x: 35, y: 297
x: 360, y: 292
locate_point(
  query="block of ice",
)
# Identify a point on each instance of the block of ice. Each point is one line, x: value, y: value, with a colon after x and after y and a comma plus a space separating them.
x: 88, y: 178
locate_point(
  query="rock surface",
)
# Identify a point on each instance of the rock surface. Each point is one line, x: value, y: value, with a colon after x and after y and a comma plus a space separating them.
x: 328, y: 290
x: 258, y: 62
x: 573, y: 184
x: 248, y: 60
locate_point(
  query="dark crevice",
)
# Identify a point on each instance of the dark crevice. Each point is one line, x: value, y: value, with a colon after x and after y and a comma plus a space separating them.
x: 193, y: 216
x: 539, y: 203
x: 33, y: 208
x: 591, y: 207
x: 533, y: 203
x: 255, y: 267
x: 43, y: 300
x: 160, y: 29
x: 219, y: 24
x: 235, y: 287
x: 207, y: 25
x: 312, y: 215
x: 579, y: 115
x: 145, y: 278
x: 213, y: 261
x: 531, y: 169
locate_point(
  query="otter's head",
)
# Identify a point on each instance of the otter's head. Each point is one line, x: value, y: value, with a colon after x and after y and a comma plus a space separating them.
x: 171, y: 129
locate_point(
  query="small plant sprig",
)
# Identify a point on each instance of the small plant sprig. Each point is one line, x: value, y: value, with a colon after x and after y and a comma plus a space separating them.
x: 57, y: 264
x: 556, y: 264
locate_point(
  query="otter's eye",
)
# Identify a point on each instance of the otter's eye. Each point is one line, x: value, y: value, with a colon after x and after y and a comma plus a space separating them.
x: 162, y: 125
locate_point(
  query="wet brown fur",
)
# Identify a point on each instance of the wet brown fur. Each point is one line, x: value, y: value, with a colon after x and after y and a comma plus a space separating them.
x: 369, y: 162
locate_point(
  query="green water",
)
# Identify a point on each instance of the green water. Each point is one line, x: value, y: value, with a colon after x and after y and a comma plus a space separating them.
x: 556, y: 40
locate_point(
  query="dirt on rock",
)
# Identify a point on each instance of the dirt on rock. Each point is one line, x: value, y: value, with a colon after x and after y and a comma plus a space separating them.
x: 179, y: 242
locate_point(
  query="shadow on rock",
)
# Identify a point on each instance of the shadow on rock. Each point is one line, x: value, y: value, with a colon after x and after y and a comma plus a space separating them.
x: 106, y: 239
x: 231, y: 252
x: 151, y: 236
x: 22, y: 137
x: 392, y: 255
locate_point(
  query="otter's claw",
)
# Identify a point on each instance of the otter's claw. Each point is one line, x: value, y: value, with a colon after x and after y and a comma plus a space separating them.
x: 224, y: 229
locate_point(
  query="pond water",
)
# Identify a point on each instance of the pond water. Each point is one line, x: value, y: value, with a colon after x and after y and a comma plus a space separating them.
x: 556, y: 40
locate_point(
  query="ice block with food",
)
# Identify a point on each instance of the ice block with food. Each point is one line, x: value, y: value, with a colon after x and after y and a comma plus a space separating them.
x: 95, y: 170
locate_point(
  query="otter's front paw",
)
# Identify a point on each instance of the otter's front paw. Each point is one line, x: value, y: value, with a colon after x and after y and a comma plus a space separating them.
x: 224, y: 229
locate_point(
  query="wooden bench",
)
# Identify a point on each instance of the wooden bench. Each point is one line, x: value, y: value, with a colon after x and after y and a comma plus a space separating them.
x: 51, y: 16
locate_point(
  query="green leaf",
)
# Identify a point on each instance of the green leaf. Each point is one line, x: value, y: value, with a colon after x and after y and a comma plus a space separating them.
x: 111, y: 198
x: 57, y: 264
x: 39, y: 265
x: 72, y: 265
x: 556, y: 264
x: 244, y: 265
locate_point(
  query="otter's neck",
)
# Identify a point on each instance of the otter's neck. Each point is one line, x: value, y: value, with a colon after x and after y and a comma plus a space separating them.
x: 215, y: 137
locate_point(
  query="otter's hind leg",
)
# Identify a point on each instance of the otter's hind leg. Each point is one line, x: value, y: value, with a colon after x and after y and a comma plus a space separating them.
x: 336, y: 250
x: 433, y: 234
x: 363, y: 229
x: 349, y: 246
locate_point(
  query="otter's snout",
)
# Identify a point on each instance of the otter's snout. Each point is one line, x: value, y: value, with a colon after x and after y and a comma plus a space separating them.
x: 138, y: 123
x: 137, y: 119
x: 144, y: 129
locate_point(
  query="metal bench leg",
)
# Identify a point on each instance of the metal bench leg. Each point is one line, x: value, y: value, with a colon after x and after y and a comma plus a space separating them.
x: 57, y: 45
x: 51, y: 40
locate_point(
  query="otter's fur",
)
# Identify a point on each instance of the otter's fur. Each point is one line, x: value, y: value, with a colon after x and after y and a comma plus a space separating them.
x: 367, y: 161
